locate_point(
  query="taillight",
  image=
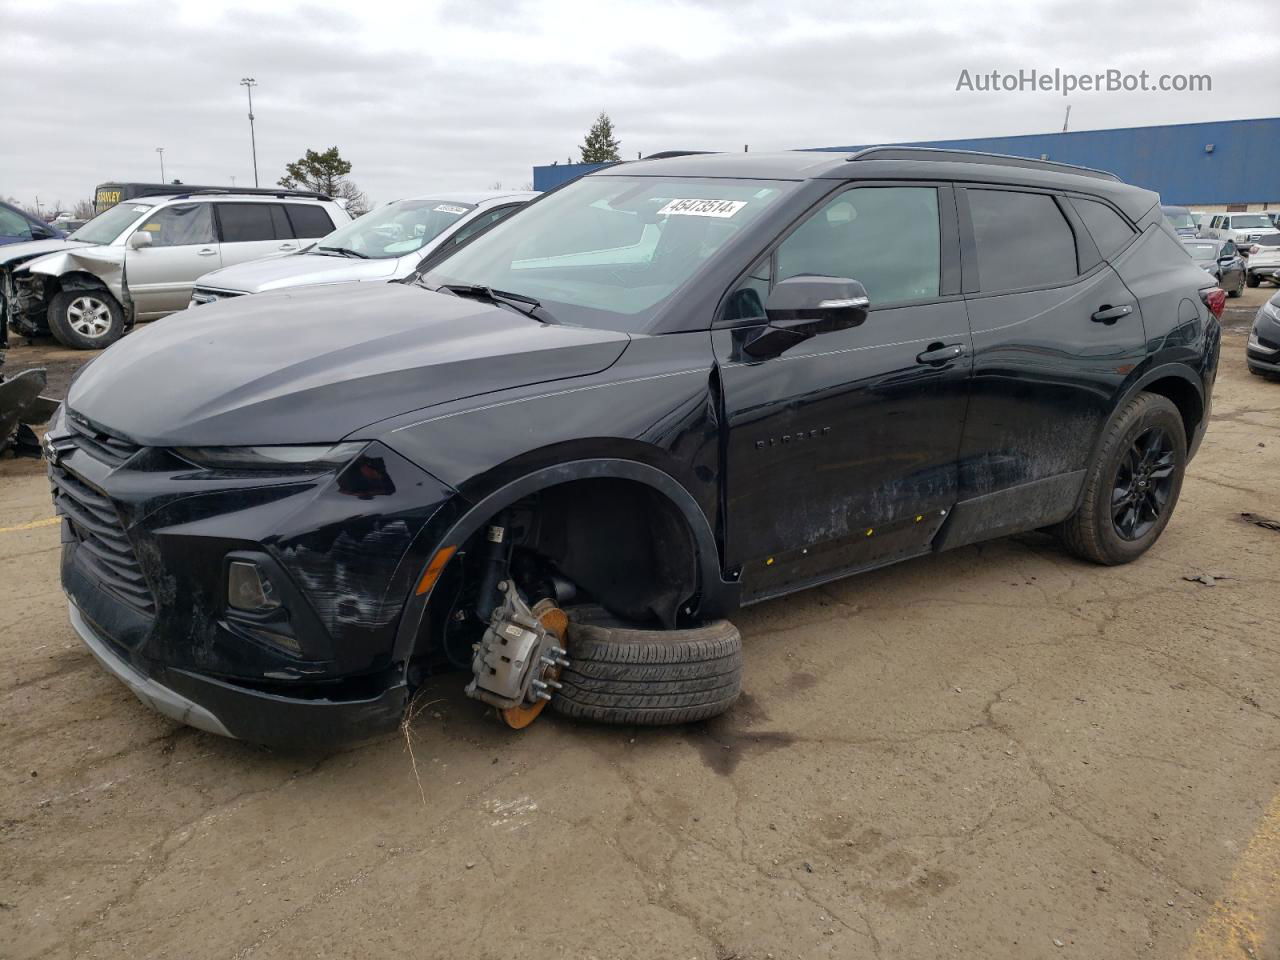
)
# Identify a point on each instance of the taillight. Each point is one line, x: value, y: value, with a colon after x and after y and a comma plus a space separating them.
x: 1215, y: 298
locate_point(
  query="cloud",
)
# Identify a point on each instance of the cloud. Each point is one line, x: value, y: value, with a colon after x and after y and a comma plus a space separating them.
x: 464, y: 93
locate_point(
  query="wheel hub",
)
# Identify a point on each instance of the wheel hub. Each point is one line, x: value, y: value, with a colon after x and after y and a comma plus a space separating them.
x: 517, y: 662
x: 1143, y: 482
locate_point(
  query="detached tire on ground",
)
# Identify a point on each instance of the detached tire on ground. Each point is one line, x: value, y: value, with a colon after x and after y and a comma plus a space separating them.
x: 85, y: 319
x: 650, y: 677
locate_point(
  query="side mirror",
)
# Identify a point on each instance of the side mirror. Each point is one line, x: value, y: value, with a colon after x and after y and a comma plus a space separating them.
x: 803, y: 307
x: 140, y: 239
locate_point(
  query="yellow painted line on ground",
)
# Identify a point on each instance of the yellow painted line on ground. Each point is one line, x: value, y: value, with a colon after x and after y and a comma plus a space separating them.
x: 1250, y: 906
x: 47, y: 522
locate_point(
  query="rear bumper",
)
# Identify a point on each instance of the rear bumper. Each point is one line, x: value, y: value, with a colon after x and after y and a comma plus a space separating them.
x: 230, y: 710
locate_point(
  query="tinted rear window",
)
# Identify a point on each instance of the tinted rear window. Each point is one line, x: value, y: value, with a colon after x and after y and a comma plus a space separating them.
x: 309, y: 220
x: 1108, y: 229
x: 1023, y: 240
x: 246, y: 222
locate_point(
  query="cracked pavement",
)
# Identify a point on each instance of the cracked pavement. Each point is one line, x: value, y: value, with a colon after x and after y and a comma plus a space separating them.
x: 975, y: 754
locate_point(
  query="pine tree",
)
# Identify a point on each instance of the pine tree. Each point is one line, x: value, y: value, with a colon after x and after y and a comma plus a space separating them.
x: 600, y: 146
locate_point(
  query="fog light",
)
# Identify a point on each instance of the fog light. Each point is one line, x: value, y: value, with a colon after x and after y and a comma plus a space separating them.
x: 248, y: 589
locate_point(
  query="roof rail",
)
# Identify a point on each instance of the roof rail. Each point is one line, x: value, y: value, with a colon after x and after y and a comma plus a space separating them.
x: 252, y: 192
x: 973, y: 156
x: 668, y: 154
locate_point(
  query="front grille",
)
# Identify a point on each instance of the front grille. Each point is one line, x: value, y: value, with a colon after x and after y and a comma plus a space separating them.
x: 210, y: 295
x: 103, y: 547
x: 102, y: 446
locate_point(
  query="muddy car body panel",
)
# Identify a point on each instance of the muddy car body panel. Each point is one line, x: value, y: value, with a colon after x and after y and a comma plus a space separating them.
x: 659, y: 441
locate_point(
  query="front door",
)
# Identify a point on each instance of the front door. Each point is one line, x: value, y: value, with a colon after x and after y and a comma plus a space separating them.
x: 842, y: 452
x: 160, y: 276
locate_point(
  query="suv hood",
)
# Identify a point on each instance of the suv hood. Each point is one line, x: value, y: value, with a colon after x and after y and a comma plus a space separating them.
x: 314, y: 366
x: 295, y: 270
x: 17, y: 252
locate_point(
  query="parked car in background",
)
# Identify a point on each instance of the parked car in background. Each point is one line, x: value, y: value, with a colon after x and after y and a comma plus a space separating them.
x: 1220, y: 259
x: 140, y: 259
x: 1181, y: 220
x: 1201, y: 219
x: 18, y: 226
x: 1275, y: 217
x: 1263, y: 352
x: 1264, y: 260
x: 388, y: 243
x: 68, y: 225
x: 1242, y: 228
x: 665, y: 390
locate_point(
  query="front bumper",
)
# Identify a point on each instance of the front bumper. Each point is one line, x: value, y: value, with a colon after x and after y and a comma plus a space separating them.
x: 145, y: 554
x: 233, y: 711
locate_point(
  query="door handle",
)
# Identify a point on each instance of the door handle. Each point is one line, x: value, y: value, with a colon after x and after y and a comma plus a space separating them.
x: 940, y: 353
x: 206, y: 252
x: 288, y: 246
x: 1108, y: 314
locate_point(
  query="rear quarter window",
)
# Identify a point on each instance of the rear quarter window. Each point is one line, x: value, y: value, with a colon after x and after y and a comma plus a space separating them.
x: 1109, y: 230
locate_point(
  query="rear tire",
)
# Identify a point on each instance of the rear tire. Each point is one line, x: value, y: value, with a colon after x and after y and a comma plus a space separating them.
x: 621, y: 675
x: 86, y: 319
x: 1252, y: 280
x: 1126, y: 506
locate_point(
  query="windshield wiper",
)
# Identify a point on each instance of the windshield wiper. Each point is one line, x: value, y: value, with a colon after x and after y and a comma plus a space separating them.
x: 526, y: 305
x: 346, y: 252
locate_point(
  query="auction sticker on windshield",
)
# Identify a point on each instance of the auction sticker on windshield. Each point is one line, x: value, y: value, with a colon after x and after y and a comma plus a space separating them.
x: 702, y: 208
x: 449, y: 208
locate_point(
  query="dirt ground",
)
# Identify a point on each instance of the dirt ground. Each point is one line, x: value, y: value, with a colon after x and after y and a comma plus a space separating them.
x: 996, y: 752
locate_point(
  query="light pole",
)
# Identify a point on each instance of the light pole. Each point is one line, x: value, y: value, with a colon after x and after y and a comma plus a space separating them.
x: 249, y: 83
x: 160, y: 150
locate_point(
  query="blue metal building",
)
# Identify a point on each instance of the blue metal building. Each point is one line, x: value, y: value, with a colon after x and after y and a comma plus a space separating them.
x: 1193, y: 164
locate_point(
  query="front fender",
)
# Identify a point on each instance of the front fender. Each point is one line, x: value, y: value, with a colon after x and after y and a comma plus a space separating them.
x: 105, y: 263
x: 716, y: 596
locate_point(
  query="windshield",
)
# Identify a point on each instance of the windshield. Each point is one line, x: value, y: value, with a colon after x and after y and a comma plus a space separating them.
x: 1246, y: 221
x: 396, y: 229
x: 1180, y: 220
x: 1202, y: 251
x: 109, y: 224
x: 607, y: 251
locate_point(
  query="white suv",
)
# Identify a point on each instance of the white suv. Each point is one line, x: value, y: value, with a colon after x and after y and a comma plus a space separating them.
x: 139, y: 259
x: 1240, y: 228
x: 388, y: 243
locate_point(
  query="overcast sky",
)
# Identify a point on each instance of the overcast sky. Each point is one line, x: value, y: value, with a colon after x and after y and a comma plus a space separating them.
x: 461, y: 94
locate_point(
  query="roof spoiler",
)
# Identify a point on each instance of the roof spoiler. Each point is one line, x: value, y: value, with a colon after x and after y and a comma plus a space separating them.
x: 973, y: 156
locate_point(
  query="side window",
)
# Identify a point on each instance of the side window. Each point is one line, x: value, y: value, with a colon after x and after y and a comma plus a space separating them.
x: 1108, y: 229
x: 12, y: 225
x: 1023, y: 240
x: 1228, y: 250
x: 309, y: 221
x: 887, y: 238
x: 246, y: 222
x: 180, y: 225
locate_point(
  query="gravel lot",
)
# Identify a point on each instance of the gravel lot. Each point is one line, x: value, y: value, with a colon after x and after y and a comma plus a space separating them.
x: 996, y: 752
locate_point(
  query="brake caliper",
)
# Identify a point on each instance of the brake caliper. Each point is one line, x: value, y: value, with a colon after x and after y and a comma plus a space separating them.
x: 517, y: 662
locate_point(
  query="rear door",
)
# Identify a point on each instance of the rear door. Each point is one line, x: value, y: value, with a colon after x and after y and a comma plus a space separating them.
x: 841, y: 452
x: 250, y: 231
x: 160, y: 277
x: 1055, y: 335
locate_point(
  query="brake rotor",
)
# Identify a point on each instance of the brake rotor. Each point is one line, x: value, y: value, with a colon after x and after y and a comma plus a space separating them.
x: 556, y: 622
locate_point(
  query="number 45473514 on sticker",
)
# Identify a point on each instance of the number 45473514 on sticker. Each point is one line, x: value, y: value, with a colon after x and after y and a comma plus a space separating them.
x: 702, y: 208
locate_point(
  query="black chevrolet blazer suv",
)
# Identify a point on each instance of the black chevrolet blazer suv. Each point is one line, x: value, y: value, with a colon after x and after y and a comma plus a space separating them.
x: 666, y: 390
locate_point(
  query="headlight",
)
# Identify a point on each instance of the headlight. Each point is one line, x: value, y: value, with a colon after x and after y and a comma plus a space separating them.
x: 1271, y: 310
x: 319, y: 456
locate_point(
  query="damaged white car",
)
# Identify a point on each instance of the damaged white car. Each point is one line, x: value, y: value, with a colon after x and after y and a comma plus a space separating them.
x: 140, y: 259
